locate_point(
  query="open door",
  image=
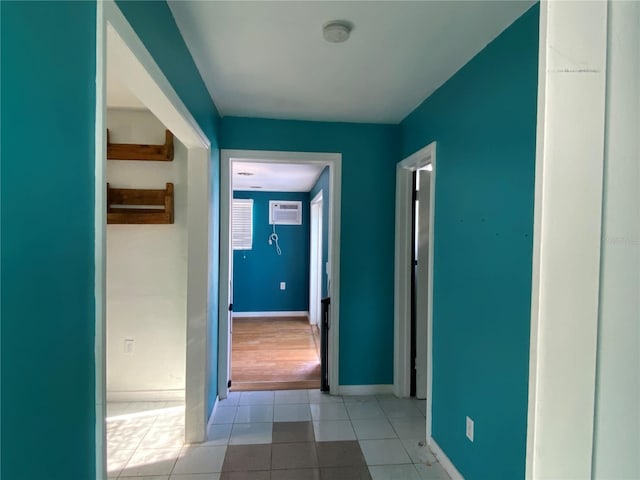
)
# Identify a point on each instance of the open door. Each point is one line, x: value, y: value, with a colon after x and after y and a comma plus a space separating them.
x: 229, y: 320
x: 315, y: 263
x: 422, y: 279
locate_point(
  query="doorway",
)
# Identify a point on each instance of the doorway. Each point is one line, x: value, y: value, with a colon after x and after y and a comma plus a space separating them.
x: 137, y: 70
x: 420, y: 280
x: 274, y: 346
x: 270, y: 249
x: 415, y: 195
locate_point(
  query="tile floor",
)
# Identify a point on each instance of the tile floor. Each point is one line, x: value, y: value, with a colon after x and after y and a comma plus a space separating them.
x: 282, y: 435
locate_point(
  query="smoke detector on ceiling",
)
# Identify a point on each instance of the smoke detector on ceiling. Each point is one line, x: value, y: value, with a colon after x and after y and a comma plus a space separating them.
x: 337, y: 31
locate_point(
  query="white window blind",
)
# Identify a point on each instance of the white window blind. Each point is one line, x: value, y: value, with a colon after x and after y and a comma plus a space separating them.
x: 242, y: 224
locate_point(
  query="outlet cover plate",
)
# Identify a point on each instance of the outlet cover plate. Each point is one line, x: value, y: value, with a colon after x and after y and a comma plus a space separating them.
x: 470, y: 429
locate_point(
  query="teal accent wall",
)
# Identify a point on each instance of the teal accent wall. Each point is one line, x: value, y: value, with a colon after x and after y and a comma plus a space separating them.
x: 323, y: 184
x: 47, y: 221
x: 369, y: 155
x: 47, y: 106
x: 257, y: 273
x: 484, y: 122
x: 156, y: 27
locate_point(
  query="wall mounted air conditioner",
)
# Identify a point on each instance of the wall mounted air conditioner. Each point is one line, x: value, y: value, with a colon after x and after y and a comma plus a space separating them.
x: 283, y: 212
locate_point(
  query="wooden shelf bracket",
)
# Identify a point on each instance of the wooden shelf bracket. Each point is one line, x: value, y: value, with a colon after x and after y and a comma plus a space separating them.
x: 129, y: 151
x: 139, y: 206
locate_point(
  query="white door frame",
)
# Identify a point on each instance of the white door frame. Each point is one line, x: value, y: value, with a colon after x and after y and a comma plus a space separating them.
x: 567, y: 238
x: 139, y: 72
x: 334, y: 162
x: 315, y: 260
x: 402, y: 278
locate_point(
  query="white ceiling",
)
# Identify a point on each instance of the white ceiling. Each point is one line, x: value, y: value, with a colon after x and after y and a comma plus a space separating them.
x: 275, y: 177
x: 268, y: 59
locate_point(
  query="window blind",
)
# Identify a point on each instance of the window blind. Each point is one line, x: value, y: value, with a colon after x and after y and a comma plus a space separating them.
x: 242, y: 224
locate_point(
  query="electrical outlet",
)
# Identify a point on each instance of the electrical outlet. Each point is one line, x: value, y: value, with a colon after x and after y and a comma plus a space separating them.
x: 128, y: 346
x: 470, y: 429
x: 283, y: 285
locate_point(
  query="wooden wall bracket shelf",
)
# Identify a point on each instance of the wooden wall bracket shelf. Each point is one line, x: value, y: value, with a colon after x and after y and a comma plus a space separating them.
x: 127, y: 205
x: 130, y: 151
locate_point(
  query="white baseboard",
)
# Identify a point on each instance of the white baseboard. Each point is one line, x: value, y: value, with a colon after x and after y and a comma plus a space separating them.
x: 444, y: 460
x: 364, y: 389
x: 269, y: 314
x: 146, y: 396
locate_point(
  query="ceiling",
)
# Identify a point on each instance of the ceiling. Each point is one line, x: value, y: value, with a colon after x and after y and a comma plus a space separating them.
x: 275, y: 177
x: 269, y: 59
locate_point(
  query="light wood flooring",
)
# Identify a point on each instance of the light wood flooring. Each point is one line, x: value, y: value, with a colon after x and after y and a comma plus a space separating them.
x: 274, y: 354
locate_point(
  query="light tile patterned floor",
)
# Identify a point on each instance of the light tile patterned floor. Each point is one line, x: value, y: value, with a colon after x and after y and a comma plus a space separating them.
x: 146, y: 440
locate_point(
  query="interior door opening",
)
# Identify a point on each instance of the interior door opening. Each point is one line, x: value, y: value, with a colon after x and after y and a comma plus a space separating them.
x: 413, y: 267
x: 420, y: 307
x: 261, y: 286
x: 276, y: 275
x: 413, y: 291
x: 129, y: 379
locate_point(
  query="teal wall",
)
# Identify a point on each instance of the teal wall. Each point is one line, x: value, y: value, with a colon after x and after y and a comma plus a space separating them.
x: 324, y: 185
x: 47, y: 280
x: 47, y: 198
x: 369, y: 154
x: 156, y: 27
x: 257, y: 273
x: 484, y: 122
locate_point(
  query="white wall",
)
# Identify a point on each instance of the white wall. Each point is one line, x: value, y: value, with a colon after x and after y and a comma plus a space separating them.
x: 146, y: 274
x: 617, y: 423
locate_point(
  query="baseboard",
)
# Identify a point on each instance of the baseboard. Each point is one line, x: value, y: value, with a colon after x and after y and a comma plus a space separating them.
x: 444, y: 460
x: 269, y: 314
x: 365, y: 389
x: 146, y: 396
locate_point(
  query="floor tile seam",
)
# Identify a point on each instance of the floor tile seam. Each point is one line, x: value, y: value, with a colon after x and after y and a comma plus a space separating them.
x: 248, y: 423
x: 137, y: 446
x: 366, y: 418
x: 124, y: 464
x: 175, y: 462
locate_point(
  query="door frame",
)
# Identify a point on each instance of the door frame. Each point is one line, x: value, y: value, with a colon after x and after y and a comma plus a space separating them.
x: 315, y: 258
x: 334, y: 162
x: 402, y: 274
x: 145, y: 79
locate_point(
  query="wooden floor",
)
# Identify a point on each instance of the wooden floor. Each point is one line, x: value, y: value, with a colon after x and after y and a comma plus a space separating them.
x: 274, y: 354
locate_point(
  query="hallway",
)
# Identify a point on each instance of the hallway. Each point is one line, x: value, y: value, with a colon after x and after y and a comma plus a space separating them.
x: 301, y: 434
